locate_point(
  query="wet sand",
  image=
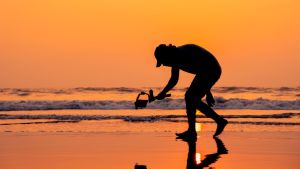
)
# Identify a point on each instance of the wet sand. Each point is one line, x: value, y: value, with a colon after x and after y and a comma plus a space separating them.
x: 157, y: 150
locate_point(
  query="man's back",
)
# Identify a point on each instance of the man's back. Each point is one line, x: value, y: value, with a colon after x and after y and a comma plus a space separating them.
x: 196, y: 60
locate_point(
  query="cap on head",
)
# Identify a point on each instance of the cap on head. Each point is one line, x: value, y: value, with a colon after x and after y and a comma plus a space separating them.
x: 159, y: 53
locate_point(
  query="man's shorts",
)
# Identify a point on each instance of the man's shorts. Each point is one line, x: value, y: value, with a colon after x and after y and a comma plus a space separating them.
x: 202, y: 84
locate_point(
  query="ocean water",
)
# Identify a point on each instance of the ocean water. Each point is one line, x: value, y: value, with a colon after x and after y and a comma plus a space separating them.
x: 112, y: 110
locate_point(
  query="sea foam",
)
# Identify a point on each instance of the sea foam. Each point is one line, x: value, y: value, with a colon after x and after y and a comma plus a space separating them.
x: 221, y: 103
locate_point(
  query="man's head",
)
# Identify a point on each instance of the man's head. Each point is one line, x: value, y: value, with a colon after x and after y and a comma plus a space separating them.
x: 164, y: 53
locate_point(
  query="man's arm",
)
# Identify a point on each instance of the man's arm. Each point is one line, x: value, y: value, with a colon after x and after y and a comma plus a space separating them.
x: 172, y: 82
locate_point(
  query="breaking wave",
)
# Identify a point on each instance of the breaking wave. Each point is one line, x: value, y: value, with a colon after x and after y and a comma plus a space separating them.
x: 221, y: 103
x: 228, y: 89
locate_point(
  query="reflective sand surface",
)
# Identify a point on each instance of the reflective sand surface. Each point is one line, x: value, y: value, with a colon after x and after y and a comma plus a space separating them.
x: 122, y: 142
x: 157, y: 150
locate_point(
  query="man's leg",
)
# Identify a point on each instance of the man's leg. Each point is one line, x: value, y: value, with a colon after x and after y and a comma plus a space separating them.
x: 191, y: 97
x: 191, y: 115
x: 200, y: 86
x: 191, y: 111
x: 209, y: 112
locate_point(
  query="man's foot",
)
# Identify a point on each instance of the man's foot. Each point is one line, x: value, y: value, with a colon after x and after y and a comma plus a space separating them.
x: 220, y: 127
x: 187, y: 135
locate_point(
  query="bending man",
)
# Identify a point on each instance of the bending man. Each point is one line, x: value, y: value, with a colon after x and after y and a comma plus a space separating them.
x: 195, y: 60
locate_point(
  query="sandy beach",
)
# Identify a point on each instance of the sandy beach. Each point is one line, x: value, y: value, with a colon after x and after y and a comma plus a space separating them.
x: 157, y: 150
x: 262, y: 142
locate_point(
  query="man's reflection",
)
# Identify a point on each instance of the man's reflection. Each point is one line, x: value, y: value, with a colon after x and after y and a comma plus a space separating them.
x: 194, y: 159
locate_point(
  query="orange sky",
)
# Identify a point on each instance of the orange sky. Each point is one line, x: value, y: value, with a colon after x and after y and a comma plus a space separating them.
x: 70, y: 43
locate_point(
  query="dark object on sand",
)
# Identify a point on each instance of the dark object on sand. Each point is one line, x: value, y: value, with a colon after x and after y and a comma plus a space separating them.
x: 136, y: 166
x: 140, y: 103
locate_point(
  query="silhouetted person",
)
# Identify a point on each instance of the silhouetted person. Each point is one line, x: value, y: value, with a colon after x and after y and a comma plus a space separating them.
x: 209, y: 159
x: 195, y: 60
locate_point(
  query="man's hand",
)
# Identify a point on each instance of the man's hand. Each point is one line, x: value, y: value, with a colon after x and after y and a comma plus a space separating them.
x: 210, y: 100
x: 161, y: 96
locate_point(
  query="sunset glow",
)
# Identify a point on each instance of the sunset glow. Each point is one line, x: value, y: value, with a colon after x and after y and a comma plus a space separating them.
x: 64, y: 43
x: 116, y: 84
x: 198, y: 127
x: 198, y: 158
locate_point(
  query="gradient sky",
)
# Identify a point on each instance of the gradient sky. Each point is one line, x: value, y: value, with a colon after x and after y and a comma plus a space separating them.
x: 109, y: 43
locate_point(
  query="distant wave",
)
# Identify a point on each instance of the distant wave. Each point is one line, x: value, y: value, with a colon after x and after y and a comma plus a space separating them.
x: 234, y: 89
x: 29, y: 91
x: 221, y: 103
x: 229, y: 89
x: 153, y: 118
x: 40, y: 122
